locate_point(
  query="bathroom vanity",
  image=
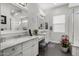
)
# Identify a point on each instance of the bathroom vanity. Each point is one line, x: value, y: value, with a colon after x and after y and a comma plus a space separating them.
x: 20, y: 45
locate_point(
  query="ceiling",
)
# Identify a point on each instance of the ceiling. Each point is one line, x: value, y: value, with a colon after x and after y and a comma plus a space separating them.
x: 45, y: 6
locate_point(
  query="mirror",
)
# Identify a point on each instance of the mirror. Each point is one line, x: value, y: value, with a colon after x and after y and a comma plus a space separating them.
x: 24, y: 23
x: 15, y: 18
x: 41, y: 22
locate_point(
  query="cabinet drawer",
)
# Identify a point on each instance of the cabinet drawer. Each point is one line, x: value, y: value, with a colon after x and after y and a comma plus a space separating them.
x: 18, y: 54
x: 8, y: 51
x: 12, y: 50
x: 29, y: 43
x: 1, y: 53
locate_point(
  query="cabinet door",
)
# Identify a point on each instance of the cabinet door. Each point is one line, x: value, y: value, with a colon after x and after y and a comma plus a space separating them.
x: 27, y: 51
x: 1, y: 53
x: 76, y: 26
x: 30, y: 49
x: 35, y: 49
x: 77, y: 51
x: 12, y: 50
x: 26, y: 48
x: 74, y: 50
x: 8, y: 51
x: 18, y: 48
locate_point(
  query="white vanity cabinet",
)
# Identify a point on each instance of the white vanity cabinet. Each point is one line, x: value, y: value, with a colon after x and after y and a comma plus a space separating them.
x: 12, y: 51
x: 30, y: 48
x: 25, y: 48
x: 75, y: 51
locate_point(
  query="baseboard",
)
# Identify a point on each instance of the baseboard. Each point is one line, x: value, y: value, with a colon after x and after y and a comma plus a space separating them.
x: 54, y: 42
x: 37, y: 55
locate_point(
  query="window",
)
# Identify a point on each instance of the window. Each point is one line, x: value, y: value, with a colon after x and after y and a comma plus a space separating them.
x: 59, y: 23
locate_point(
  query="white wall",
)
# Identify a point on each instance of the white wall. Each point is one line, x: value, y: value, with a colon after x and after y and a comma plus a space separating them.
x: 31, y: 13
x: 71, y: 20
x: 6, y: 9
x: 56, y: 37
x: 76, y: 26
x: 73, y: 4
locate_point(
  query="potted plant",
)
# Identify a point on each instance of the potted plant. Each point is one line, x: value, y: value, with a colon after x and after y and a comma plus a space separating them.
x: 35, y: 32
x: 65, y: 43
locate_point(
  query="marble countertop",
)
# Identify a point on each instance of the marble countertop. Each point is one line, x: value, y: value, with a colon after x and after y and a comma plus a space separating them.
x: 16, y: 41
x: 11, y: 32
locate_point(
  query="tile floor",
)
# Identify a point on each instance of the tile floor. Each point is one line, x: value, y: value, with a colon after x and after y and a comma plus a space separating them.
x: 53, y: 50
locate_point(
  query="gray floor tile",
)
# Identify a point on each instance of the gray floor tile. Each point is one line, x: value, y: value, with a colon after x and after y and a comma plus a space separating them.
x: 53, y: 50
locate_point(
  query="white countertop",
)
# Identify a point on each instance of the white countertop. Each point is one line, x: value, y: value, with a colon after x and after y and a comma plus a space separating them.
x: 16, y: 41
x: 42, y: 34
x: 75, y: 45
x: 12, y: 32
x: 41, y: 37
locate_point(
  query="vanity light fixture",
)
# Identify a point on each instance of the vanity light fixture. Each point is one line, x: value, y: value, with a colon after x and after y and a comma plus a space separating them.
x: 23, y: 4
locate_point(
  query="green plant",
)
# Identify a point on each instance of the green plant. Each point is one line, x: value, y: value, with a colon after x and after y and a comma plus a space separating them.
x: 65, y: 42
x: 36, y: 32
